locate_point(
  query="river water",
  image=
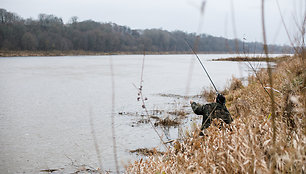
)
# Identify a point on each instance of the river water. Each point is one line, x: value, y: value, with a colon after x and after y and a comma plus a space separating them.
x: 51, y: 108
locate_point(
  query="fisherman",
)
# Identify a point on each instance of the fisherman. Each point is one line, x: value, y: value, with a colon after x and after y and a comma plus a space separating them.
x: 211, y: 111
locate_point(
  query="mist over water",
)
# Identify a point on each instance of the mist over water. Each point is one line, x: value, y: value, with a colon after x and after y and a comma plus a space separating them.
x: 46, y: 101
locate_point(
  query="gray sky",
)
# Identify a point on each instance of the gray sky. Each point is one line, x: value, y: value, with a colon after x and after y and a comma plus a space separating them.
x: 173, y: 15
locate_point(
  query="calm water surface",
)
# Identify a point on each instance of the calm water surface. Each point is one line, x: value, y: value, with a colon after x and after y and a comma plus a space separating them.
x: 47, y: 102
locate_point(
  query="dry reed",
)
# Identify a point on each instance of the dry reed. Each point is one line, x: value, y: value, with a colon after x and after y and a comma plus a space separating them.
x: 113, y: 117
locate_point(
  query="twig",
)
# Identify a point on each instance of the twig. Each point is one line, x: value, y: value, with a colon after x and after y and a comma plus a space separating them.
x: 140, y: 97
x: 271, y: 85
x: 225, y: 34
x: 93, y: 133
x: 235, y: 34
x: 261, y: 83
x: 285, y: 26
x: 113, y: 117
x: 234, y: 27
x: 170, y: 141
x: 196, y: 43
x: 72, y: 162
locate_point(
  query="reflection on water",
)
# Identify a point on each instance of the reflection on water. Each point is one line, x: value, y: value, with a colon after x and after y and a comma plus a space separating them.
x: 46, y: 101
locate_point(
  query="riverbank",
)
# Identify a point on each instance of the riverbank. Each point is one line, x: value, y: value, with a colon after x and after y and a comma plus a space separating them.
x: 75, y: 53
x: 254, y: 59
x: 93, y: 53
x: 254, y: 142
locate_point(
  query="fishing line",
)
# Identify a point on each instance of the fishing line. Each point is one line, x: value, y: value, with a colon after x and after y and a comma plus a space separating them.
x: 202, y: 66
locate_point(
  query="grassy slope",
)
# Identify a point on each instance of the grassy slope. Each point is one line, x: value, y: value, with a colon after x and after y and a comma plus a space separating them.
x: 246, y: 144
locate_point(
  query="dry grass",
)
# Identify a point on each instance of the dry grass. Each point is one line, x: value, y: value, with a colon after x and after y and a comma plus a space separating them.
x: 236, y: 84
x: 245, y: 146
x: 181, y: 113
x: 147, y: 152
x: 250, y: 59
x: 209, y: 95
x: 167, y: 122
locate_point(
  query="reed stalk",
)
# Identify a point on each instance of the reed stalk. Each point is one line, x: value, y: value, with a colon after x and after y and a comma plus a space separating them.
x: 271, y: 84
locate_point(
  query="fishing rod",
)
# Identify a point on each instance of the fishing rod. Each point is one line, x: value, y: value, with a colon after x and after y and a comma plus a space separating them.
x: 202, y: 66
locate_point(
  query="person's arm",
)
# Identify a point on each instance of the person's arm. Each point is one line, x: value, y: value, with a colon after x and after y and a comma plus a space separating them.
x: 228, y: 119
x: 197, y: 108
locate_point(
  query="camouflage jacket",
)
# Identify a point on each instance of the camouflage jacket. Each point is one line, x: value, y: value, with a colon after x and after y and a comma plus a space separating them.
x: 214, y: 110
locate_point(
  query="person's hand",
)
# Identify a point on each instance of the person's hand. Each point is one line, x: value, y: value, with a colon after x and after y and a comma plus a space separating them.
x: 191, y: 101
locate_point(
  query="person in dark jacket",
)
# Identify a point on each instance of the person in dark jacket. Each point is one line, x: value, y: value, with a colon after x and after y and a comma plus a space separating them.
x: 211, y: 111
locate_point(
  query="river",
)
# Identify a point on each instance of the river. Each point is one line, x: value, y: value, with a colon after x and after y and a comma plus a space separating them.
x: 51, y: 108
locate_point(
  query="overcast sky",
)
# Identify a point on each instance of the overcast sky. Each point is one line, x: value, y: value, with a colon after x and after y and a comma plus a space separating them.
x: 184, y: 15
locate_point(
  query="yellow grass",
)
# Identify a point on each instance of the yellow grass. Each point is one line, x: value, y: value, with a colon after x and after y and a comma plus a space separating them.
x: 245, y: 146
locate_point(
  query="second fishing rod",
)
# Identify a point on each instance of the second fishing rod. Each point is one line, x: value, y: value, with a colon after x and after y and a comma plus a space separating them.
x: 202, y: 66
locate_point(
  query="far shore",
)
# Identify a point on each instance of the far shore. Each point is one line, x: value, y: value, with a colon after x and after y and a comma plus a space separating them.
x: 93, y: 53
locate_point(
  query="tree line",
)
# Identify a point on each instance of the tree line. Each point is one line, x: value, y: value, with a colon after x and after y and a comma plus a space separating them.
x: 49, y: 32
